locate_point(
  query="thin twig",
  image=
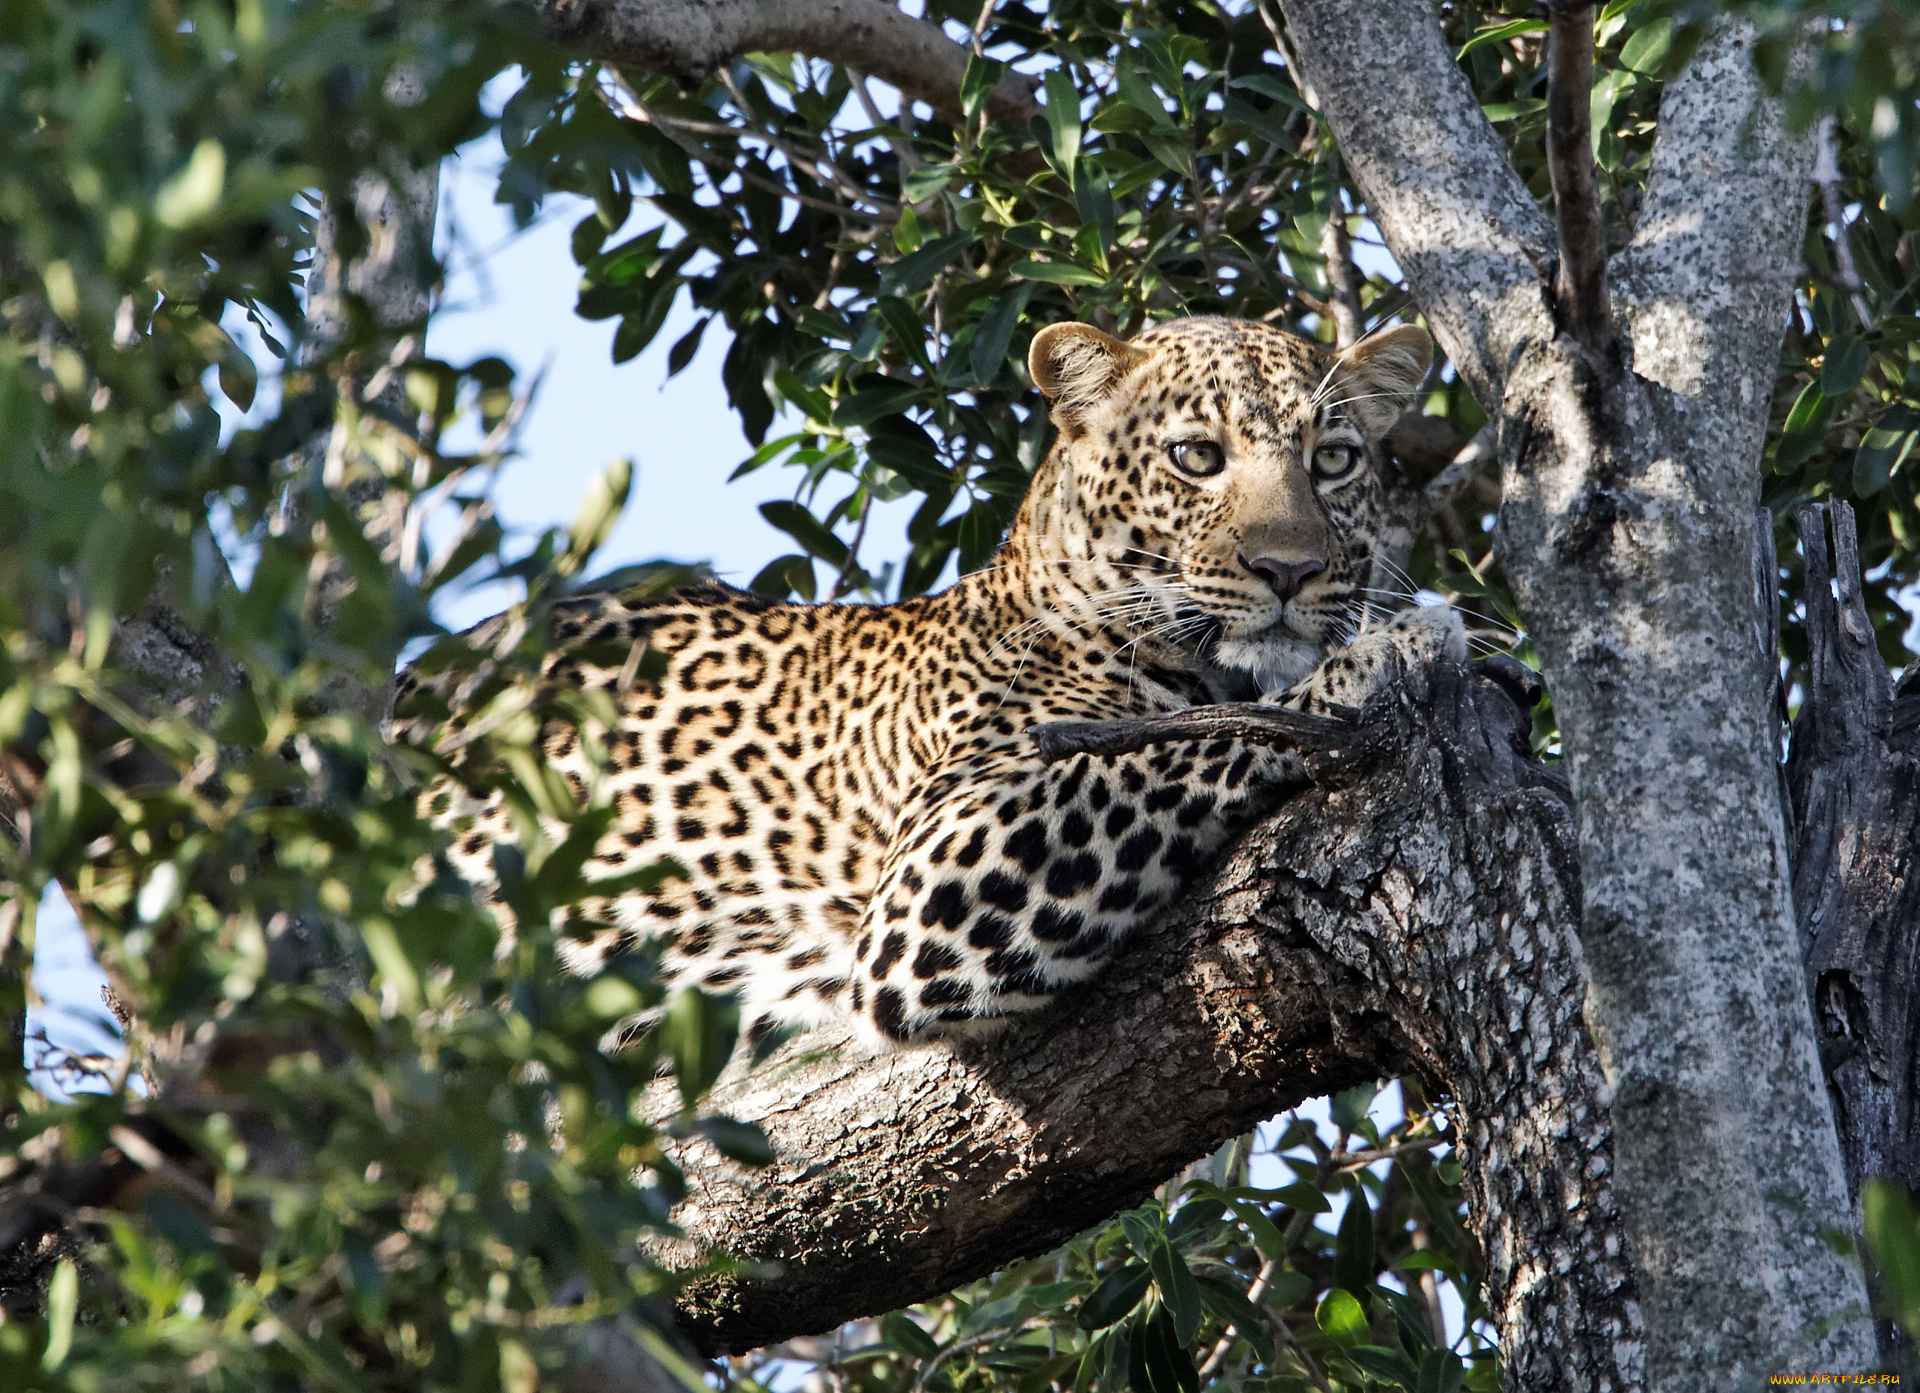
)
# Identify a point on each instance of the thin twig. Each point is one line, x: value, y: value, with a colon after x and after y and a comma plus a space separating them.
x: 1255, y: 1292
x: 902, y: 147
x: 841, y: 582
x: 1826, y: 173
x: 1441, y: 488
x: 637, y: 110
x: 1580, y: 289
x: 980, y: 28
x: 1272, y: 21
x: 819, y: 164
x: 1359, y: 1160
x: 1339, y: 258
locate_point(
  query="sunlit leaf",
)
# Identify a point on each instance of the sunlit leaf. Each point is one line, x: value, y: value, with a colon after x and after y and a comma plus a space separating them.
x: 1892, y: 1231
x: 1341, y: 1316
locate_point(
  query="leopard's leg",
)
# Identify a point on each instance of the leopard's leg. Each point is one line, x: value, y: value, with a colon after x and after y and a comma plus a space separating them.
x: 1016, y: 877
x: 1009, y: 878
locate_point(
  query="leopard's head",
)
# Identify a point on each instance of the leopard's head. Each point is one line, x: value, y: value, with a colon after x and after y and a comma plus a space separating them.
x: 1215, y: 486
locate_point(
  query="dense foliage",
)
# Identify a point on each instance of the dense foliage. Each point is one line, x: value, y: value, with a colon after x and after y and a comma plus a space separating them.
x: 393, y: 1157
x: 387, y: 1187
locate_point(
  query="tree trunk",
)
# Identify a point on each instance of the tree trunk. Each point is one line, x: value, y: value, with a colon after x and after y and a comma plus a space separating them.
x: 1416, y: 915
x: 1854, y: 782
x: 1626, y: 533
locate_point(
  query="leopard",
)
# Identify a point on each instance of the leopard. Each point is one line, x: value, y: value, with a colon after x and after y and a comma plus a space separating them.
x: 865, y: 827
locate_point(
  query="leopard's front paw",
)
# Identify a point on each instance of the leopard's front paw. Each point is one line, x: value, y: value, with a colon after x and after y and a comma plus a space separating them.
x: 1422, y: 635
x: 1375, y: 659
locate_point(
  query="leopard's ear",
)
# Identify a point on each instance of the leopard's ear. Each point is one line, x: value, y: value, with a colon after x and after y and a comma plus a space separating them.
x: 1075, y: 366
x: 1375, y: 379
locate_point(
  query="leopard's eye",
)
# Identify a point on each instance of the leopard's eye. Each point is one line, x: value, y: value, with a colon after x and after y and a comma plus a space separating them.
x: 1198, y: 457
x: 1332, y: 463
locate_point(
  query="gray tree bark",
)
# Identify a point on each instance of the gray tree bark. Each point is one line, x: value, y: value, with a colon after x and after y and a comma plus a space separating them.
x: 1626, y: 533
x: 690, y: 41
x: 1853, y: 779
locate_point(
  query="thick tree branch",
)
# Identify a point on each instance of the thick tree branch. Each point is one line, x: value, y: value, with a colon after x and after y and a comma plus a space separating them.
x: 1420, y: 917
x: 1580, y: 284
x: 1704, y: 284
x: 1435, y: 175
x: 692, y: 41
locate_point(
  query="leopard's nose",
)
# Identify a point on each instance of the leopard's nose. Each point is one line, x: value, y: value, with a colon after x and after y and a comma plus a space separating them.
x: 1284, y: 578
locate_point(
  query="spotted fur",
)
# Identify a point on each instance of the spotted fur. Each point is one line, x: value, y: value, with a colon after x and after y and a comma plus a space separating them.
x: 866, y: 826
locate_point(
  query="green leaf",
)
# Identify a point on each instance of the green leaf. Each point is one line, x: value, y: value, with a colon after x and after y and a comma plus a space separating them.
x: 239, y: 379
x: 1230, y: 1304
x: 1177, y: 1289
x: 911, y: 273
x: 683, y: 350
x: 697, y: 1032
x: 1845, y: 363
x: 864, y: 408
x: 926, y: 181
x: 1156, y: 1361
x: 1267, y: 125
x: 1493, y: 34
x: 906, y: 1335
x: 1892, y: 1232
x: 912, y: 460
x: 1287, y: 1290
x: 1274, y: 86
x: 1055, y: 273
x: 811, y: 400
x: 1246, y: 1208
x: 1118, y: 1293
x: 1266, y: 1237
x: 807, y: 530
x: 1606, y: 94
x: 1424, y: 1260
x: 1309, y: 1199
x: 638, y: 330
x: 63, y: 1299
x: 390, y: 961
x: 1805, y: 428
x: 1195, y: 1215
x: 1646, y: 51
x: 1348, y: 1107
x: 1341, y: 1317
x: 1383, y: 1363
x: 1353, y: 1265
x: 1441, y: 1371
x: 195, y: 191
x: 982, y: 75
x: 1409, y: 1318
x: 1507, y: 111
x: 600, y: 509
x: 784, y: 576
x: 979, y: 534
x: 995, y: 334
x: 1063, y: 119
x: 1884, y: 448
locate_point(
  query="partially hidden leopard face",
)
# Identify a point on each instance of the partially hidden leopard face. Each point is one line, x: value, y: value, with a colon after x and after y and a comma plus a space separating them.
x: 866, y: 826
